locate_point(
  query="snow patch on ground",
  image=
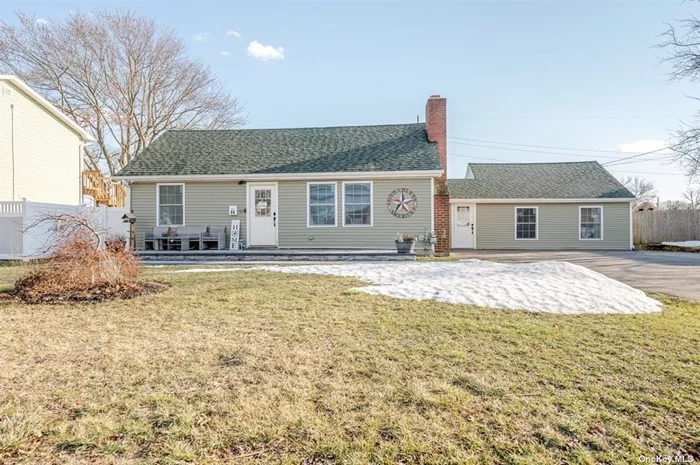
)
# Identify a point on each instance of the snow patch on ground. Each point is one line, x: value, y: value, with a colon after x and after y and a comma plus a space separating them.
x: 550, y: 286
x: 683, y: 244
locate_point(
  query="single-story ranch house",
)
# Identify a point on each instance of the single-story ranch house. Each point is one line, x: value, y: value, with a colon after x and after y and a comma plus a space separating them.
x: 358, y: 186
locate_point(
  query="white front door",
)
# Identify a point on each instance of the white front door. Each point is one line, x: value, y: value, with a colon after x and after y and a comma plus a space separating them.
x: 262, y: 215
x: 463, y: 226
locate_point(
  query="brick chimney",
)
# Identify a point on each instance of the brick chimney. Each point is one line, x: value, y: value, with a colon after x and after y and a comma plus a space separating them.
x: 436, y: 126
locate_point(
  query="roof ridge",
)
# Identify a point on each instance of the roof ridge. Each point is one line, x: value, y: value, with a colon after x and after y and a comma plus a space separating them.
x: 304, y: 127
x: 539, y: 163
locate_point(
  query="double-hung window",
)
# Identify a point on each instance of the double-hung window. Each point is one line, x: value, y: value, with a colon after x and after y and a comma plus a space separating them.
x: 322, y: 204
x: 526, y: 223
x: 357, y: 204
x: 171, y: 204
x: 590, y: 223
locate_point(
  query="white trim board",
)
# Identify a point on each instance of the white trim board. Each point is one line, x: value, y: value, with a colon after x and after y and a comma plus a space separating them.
x: 48, y: 106
x: 335, y: 204
x: 350, y: 175
x: 371, y: 204
x: 537, y: 223
x: 184, y: 222
x: 536, y: 201
x: 602, y: 223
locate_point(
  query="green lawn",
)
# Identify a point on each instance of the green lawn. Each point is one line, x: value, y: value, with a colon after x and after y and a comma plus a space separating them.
x: 256, y: 367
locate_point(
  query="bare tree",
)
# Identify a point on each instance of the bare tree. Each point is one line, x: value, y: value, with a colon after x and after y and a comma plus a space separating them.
x: 644, y: 190
x: 683, y: 45
x: 119, y: 76
x: 674, y: 205
x: 692, y: 195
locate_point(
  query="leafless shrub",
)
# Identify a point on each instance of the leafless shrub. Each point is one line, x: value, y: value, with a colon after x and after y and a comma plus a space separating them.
x: 82, y: 266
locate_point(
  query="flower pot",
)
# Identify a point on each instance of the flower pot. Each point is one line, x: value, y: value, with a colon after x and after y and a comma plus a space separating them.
x: 405, y: 246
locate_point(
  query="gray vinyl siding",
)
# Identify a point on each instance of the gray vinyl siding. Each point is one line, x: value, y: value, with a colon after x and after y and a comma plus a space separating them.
x: 294, y: 232
x: 558, y: 225
x: 206, y: 203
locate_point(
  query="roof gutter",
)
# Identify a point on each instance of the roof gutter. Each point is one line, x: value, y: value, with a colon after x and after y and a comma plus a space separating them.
x: 521, y: 201
x: 284, y: 176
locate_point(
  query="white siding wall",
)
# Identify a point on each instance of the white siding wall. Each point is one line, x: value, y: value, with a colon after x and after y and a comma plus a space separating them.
x: 47, y: 157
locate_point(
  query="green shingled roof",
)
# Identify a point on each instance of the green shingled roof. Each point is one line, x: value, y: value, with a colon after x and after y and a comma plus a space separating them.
x: 575, y: 180
x: 400, y: 147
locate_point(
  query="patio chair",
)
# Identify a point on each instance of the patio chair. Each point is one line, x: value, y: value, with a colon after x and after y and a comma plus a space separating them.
x: 189, y: 235
x: 214, y: 237
x: 153, y: 241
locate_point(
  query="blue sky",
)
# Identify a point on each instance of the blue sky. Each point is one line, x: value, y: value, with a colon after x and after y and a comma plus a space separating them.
x: 563, y: 74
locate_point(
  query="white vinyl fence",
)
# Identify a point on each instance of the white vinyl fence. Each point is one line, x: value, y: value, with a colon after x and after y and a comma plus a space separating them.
x: 19, y: 241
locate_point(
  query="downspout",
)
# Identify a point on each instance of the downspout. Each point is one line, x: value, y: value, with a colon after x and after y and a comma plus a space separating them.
x: 12, y: 145
x: 81, y: 196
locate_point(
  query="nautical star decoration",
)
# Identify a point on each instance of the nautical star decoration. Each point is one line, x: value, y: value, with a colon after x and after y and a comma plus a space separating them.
x: 402, y: 202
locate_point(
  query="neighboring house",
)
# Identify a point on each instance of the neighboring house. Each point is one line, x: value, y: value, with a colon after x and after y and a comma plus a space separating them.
x: 40, y: 148
x: 41, y: 154
x: 357, y: 186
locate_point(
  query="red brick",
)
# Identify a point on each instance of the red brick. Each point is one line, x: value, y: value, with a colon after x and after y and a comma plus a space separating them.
x: 436, y: 126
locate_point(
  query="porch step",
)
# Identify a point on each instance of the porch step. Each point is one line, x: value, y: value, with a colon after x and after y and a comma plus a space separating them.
x: 273, y: 255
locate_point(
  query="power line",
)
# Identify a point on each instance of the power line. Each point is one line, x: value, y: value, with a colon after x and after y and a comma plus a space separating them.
x: 571, y: 117
x: 613, y: 159
x: 631, y: 162
x: 612, y: 169
x: 638, y: 155
x: 526, y: 150
x: 478, y: 158
x: 649, y: 172
x: 536, y: 146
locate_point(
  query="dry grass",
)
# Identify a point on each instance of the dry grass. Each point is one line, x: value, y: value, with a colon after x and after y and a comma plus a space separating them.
x: 270, y: 368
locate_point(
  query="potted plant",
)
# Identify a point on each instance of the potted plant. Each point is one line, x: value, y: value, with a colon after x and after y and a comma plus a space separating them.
x: 405, y: 243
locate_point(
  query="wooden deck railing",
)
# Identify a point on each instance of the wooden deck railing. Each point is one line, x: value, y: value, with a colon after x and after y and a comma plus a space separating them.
x: 103, y: 190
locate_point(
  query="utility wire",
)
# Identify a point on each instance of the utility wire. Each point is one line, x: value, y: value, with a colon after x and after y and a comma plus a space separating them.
x: 613, y: 159
x: 612, y: 163
x: 570, y: 117
x: 612, y: 169
x: 536, y: 146
x: 649, y: 172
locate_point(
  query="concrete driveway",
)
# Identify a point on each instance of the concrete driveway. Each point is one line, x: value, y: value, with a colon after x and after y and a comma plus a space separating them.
x: 675, y: 273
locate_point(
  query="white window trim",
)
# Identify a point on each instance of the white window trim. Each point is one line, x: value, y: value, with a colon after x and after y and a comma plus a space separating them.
x: 371, y: 204
x: 602, y: 227
x: 308, y: 204
x: 537, y: 223
x: 158, y: 203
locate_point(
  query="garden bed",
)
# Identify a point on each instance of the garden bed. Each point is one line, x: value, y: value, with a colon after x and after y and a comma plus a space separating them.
x: 26, y: 293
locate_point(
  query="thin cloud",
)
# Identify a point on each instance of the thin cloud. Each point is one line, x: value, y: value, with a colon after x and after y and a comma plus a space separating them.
x: 225, y: 54
x: 265, y: 52
x: 644, y: 145
x: 203, y: 37
x: 42, y: 22
x: 234, y: 33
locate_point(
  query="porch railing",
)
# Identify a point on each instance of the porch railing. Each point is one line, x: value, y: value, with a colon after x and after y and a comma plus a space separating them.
x: 103, y: 190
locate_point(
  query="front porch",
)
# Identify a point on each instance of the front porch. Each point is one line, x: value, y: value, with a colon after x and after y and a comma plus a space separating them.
x: 173, y: 257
